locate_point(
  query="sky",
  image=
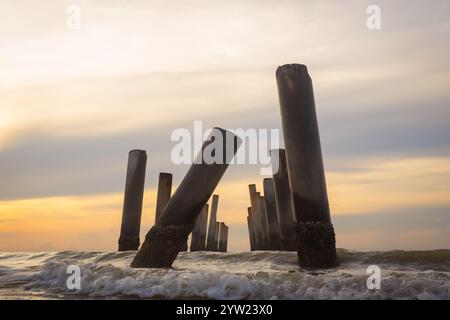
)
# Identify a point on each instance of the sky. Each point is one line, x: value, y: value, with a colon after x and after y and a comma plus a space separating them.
x: 73, y: 102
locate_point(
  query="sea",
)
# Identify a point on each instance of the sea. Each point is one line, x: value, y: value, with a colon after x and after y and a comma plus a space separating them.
x: 423, y: 275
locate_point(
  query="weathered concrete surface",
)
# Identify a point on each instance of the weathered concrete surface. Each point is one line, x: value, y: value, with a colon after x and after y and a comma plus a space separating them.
x: 272, y: 216
x: 216, y: 235
x: 315, y: 234
x: 283, y: 200
x: 132, y: 204
x: 167, y: 237
x: 211, y: 244
x: 164, y: 192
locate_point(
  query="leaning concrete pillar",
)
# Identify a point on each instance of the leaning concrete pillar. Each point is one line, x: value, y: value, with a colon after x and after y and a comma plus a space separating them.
x: 256, y: 217
x: 197, y: 236
x: 283, y: 200
x: 132, y: 204
x: 223, y: 237
x: 271, y: 213
x: 315, y: 233
x: 211, y: 245
x: 164, y: 192
x: 166, y: 238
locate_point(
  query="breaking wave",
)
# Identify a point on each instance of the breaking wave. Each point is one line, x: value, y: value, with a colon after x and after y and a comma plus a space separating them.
x: 210, y: 275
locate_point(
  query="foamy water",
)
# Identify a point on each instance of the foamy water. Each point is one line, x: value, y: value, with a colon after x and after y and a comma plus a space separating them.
x: 208, y: 275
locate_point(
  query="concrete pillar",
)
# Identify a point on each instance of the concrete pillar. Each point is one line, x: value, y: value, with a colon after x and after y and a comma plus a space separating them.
x: 167, y: 237
x: 132, y: 203
x: 256, y: 217
x: 211, y: 245
x: 283, y: 200
x: 216, y: 236
x: 223, y: 237
x: 315, y: 232
x: 203, y: 227
x: 272, y: 216
x: 164, y: 192
x: 264, y: 222
x: 251, y: 231
x: 196, y: 236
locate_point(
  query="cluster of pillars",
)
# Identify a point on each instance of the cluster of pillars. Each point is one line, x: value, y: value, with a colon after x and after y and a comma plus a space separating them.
x: 180, y: 214
x: 293, y: 213
x: 212, y: 236
x: 270, y: 219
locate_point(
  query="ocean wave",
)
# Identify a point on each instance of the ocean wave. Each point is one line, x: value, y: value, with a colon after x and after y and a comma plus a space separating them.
x: 210, y: 275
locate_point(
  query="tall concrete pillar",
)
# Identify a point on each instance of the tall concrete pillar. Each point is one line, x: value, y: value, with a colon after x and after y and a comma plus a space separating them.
x: 251, y: 232
x: 283, y: 200
x: 164, y: 192
x: 216, y: 236
x: 272, y: 216
x: 315, y: 233
x: 196, y: 236
x: 211, y: 245
x: 223, y: 237
x: 264, y: 222
x: 167, y: 237
x: 132, y: 204
x: 256, y: 217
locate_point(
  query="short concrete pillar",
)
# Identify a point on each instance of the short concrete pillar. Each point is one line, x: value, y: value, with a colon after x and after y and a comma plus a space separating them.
x: 272, y: 216
x: 264, y: 222
x: 164, y: 192
x: 204, y: 226
x: 132, y: 203
x: 199, y: 233
x: 283, y: 200
x: 216, y: 236
x: 251, y: 231
x: 315, y: 233
x: 211, y: 245
x: 223, y: 237
x: 167, y: 237
x: 256, y: 217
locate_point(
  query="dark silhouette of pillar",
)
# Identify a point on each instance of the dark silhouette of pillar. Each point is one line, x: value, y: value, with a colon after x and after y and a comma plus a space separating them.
x: 283, y: 200
x: 164, y: 192
x: 197, y: 236
x: 272, y: 216
x: 166, y: 238
x: 132, y: 204
x: 223, y: 237
x: 316, y: 245
x: 211, y: 245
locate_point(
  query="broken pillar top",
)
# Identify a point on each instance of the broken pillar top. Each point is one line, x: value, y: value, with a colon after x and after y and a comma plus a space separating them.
x: 293, y: 69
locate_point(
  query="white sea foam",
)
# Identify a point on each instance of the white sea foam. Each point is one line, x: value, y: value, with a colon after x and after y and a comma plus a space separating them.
x: 207, y: 275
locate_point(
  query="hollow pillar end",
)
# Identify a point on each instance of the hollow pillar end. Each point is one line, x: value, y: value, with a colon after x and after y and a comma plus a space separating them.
x: 316, y: 245
x: 161, y: 246
x: 128, y: 243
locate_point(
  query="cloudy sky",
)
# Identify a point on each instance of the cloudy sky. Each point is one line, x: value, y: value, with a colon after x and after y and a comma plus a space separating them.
x: 74, y: 102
